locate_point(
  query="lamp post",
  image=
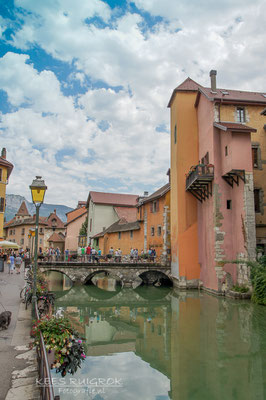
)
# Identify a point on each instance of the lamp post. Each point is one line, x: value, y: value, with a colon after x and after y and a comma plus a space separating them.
x: 38, y: 190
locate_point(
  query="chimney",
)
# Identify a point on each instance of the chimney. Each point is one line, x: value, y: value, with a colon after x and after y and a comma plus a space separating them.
x: 213, y: 74
x: 3, y: 153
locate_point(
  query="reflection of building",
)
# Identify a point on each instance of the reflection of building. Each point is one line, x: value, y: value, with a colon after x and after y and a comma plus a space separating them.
x: 5, y: 171
x: 209, y: 347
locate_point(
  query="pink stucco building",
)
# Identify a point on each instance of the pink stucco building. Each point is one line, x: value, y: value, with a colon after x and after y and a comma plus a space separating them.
x: 226, y: 132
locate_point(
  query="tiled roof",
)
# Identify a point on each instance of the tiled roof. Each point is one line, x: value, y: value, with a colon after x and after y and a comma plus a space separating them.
x: 159, y: 193
x: 233, y: 127
x: 55, y: 237
x: 53, y: 221
x: 6, y: 164
x: 75, y: 214
x: 129, y: 214
x: 27, y: 221
x: 120, y: 226
x: 116, y: 199
x: 187, y: 86
x: 232, y: 96
x: 23, y: 211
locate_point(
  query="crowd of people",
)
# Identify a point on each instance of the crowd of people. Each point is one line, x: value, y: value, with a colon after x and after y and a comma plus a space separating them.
x: 14, y: 259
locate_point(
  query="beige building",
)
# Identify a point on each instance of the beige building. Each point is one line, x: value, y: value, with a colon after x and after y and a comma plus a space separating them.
x: 75, y: 219
x: 106, y: 208
x: 19, y: 228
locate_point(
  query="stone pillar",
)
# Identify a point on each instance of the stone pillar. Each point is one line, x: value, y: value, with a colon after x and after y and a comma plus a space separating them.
x: 249, y: 219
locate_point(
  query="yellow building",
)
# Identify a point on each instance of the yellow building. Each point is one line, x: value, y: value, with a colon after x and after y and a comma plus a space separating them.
x: 5, y: 171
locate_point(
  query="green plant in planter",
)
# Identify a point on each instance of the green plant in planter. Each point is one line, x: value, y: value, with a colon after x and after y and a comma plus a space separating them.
x: 240, y: 289
x: 61, y: 338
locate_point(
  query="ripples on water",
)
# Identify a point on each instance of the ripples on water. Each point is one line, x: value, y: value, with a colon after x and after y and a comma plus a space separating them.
x: 158, y: 343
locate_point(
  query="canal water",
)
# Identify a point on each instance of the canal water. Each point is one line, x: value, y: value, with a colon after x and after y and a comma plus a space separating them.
x: 158, y: 344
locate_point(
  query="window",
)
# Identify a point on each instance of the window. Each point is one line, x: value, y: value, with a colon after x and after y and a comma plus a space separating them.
x: 229, y: 204
x: 159, y: 230
x: 152, y: 231
x: 255, y: 157
x: 175, y: 135
x: 2, y: 204
x: 40, y: 241
x: 226, y: 151
x: 90, y: 224
x: 131, y: 234
x: 41, y: 230
x: 23, y: 231
x: 155, y: 206
x: 159, y: 330
x: 21, y: 241
x: 257, y: 202
x: 1, y: 174
x: 240, y: 114
x: 119, y: 235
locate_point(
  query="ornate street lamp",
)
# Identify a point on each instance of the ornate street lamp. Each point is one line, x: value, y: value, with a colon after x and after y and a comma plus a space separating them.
x: 38, y: 189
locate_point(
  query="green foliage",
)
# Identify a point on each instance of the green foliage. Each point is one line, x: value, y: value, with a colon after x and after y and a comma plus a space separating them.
x: 258, y: 279
x: 60, y: 337
x: 240, y: 289
x: 84, y: 227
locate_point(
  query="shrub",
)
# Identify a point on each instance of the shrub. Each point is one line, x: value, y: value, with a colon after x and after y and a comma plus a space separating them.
x: 240, y: 289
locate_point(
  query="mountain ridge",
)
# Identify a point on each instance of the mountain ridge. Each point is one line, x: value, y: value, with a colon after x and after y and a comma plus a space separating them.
x: 13, y: 202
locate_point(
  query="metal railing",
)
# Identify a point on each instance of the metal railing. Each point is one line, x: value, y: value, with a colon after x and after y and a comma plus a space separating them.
x: 46, y: 387
x: 200, y: 171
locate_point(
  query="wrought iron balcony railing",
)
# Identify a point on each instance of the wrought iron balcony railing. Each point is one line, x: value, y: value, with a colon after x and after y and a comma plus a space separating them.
x: 199, y: 181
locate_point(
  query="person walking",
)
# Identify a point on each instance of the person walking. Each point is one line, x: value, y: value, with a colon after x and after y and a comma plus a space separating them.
x: 88, y: 253
x: 11, y: 263
x: 18, y: 261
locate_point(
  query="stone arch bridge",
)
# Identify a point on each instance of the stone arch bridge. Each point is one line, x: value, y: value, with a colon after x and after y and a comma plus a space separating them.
x: 130, y: 274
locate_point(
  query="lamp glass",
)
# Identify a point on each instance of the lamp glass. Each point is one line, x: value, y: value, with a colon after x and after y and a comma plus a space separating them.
x: 37, y: 195
x: 38, y: 190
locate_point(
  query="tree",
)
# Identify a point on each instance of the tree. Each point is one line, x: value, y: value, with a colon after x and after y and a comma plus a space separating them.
x: 84, y: 227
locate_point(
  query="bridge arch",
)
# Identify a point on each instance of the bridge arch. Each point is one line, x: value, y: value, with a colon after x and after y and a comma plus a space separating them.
x: 61, y: 271
x: 155, y: 277
x: 107, y: 271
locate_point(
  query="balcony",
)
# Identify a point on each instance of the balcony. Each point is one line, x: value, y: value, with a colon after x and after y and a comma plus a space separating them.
x: 199, y: 181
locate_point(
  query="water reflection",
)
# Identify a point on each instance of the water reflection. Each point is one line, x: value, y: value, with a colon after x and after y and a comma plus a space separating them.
x: 162, y: 344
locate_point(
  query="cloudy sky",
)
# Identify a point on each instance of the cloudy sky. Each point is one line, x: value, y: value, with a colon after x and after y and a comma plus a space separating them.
x: 84, y: 84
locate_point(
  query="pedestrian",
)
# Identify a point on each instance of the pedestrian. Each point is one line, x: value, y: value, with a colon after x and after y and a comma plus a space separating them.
x: 18, y: 261
x: 132, y: 251
x: 11, y: 263
x: 153, y: 254
x: 66, y: 254
x: 93, y: 254
x: 119, y: 255
x: 88, y: 253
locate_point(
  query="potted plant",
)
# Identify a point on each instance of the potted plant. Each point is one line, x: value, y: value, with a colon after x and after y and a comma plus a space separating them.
x: 65, y: 348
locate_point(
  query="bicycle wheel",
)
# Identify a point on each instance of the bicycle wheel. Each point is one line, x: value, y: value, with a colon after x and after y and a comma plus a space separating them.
x: 22, y: 292
x: 28, y: 300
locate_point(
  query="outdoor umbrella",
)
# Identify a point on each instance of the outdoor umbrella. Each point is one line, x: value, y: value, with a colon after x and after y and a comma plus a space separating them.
x: 5, y: 244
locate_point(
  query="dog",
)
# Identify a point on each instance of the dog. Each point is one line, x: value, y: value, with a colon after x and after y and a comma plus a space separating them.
x: 5, y: 318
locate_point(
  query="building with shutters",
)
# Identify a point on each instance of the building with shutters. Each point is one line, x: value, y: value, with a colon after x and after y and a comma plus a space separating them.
x: 5, y: 170
x: 218, y: 183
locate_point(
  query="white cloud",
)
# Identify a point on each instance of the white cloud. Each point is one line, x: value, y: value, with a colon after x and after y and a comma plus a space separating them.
x: 62, y: 135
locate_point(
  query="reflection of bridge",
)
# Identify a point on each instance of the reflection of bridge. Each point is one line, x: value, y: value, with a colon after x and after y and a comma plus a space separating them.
x: 129, y: 274
x: 93, y: 296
